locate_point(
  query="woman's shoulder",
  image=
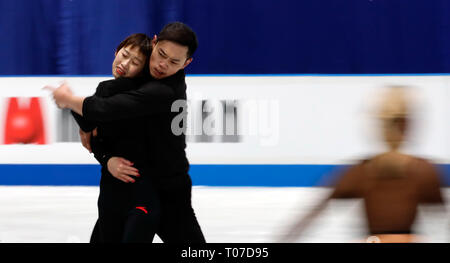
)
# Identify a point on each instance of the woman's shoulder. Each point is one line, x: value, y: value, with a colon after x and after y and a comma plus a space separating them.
x: 114, y: 86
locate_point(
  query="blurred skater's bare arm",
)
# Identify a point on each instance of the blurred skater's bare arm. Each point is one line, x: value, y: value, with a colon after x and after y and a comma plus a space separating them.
x: 299, y: 226
x: 346, y: 186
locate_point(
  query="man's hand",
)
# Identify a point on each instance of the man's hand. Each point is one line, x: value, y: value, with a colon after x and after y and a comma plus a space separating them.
x: 86, y: 138
x: 61, y: 95
x: 122, y: 169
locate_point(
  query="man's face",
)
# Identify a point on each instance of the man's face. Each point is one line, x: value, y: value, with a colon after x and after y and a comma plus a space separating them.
x: 167, y: 58
x: 129, y: 62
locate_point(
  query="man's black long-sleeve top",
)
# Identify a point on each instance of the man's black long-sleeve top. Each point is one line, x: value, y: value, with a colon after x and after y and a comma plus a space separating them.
x: 134, y: 122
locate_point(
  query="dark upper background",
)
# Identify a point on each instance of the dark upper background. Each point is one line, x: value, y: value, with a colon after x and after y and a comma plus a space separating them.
x: 78, y: 37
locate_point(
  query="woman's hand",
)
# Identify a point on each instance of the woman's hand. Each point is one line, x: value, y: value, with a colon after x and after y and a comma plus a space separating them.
x: 122, y: 169
x: 61, y: 95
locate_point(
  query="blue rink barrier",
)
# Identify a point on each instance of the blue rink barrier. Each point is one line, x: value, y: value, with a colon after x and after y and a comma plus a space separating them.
x: 302, y: 175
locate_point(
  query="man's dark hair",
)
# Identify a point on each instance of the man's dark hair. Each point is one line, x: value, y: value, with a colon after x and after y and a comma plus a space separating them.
x: 180, y: 33
x: 137, y: 40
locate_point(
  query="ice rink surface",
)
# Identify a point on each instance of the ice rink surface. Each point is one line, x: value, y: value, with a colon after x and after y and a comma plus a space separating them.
x: 41, y: 214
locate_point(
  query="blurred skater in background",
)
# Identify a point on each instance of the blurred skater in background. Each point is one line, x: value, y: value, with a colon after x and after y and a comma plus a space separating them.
x: 392, y: 184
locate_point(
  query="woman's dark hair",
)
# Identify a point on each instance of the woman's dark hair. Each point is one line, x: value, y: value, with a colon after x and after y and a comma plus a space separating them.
x: 140, y: 40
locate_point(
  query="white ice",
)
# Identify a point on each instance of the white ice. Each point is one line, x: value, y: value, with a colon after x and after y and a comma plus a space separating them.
x: 43, y: 214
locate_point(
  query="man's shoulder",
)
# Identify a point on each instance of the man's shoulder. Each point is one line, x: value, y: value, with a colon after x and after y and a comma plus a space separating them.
x: 169, y: 84
x: 176, y: 80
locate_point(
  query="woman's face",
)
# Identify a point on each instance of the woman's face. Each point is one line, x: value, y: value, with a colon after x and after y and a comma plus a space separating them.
x: 129, y: 62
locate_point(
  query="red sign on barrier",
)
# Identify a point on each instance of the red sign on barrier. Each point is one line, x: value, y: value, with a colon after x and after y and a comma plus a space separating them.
x: 24, y: 124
